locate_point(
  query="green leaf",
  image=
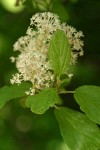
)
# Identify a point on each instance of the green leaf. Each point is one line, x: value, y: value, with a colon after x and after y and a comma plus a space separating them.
x: 14, y: 91
x: 40, y: 102
x: 79, y: 133
x: 88, y: 97
x: 59, y: 52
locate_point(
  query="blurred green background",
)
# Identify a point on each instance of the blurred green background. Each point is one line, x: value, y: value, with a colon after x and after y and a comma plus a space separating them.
x: 20, y: 129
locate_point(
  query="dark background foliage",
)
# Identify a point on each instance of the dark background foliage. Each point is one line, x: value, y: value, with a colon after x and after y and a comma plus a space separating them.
x: 19, y: 128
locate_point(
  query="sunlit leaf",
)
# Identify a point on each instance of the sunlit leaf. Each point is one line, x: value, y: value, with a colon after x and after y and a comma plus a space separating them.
x: 14, y: 91
x: 88, y: 97
x: 78, y: 132
x: 59, y: 52
x: 39, y: 103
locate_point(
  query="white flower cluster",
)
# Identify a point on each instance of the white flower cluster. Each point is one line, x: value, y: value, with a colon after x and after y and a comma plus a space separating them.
x: 32, y: 63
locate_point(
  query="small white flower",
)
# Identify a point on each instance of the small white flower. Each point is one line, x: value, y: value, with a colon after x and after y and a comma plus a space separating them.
x: 30, y: 92
x: 12, y: 59
x: 16, y: 79
x: 70, y: 75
